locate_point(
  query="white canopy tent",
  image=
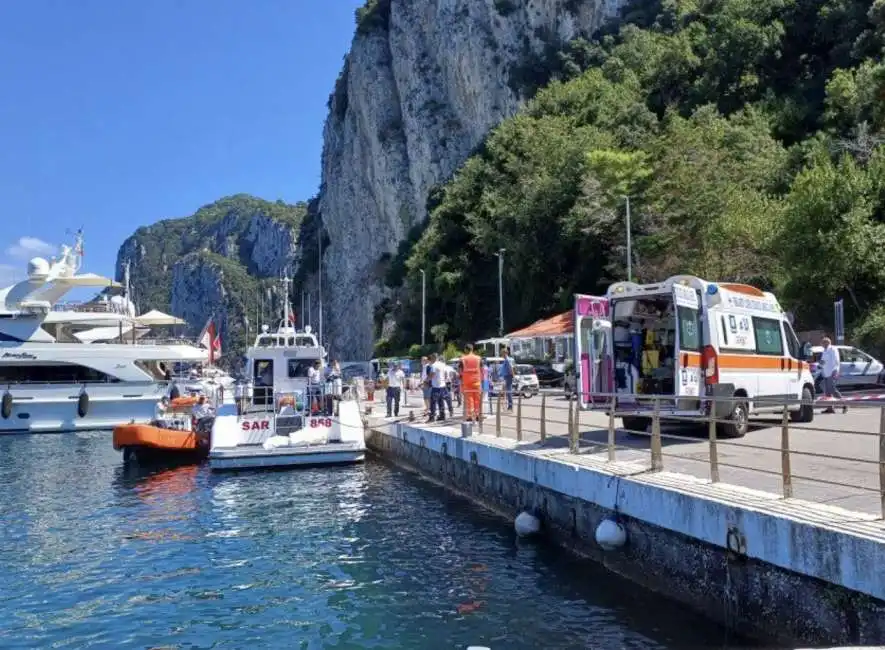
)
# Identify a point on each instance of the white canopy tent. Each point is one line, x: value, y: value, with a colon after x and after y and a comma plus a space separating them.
x: 158, y: 318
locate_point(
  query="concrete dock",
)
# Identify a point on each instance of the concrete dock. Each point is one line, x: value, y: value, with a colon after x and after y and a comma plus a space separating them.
x: 795, y: 570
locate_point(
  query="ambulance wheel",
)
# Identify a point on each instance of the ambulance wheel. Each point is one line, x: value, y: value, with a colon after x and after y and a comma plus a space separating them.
x: 805, y: 414
x: 636, y: 425
x: 527, y: 393
x: 738, y: 422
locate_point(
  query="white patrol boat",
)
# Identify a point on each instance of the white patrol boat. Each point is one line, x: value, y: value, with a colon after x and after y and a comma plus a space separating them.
x: 295, y: 416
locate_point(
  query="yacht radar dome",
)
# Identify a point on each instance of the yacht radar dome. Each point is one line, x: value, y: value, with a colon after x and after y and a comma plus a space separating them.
x: 265, y: 329
x: 38, y: 268
x: 308, y: 329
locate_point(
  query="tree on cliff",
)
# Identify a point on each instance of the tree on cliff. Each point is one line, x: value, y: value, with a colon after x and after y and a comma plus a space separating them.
x: 748, y: 135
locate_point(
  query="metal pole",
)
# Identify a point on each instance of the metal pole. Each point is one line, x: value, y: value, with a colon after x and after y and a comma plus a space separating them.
x: 629, y: 244
x: 423, y: 306
x: 500, y: 254
x: 301, y: 315
x: 320, y: 278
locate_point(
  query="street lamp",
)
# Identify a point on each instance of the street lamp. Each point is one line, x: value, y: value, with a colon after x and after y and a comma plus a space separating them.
x: 629, y: 244
x: 423, y: 305
x: 500, y: 256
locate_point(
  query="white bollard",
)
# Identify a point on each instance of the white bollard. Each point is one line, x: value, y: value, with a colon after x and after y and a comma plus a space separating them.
x: 610, y: 534
x: 526, y: 524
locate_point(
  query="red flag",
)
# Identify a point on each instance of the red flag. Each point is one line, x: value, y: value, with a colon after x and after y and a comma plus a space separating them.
x: 211, y: 341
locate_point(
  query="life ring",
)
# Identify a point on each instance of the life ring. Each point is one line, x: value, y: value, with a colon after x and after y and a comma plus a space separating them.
x: 6, y: 406
x: 83, y: 404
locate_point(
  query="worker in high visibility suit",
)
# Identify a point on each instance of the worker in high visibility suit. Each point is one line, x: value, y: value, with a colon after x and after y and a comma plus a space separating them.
x: 471, y: 384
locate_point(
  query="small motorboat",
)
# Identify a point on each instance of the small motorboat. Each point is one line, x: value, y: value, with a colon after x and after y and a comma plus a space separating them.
x: 175, y: 436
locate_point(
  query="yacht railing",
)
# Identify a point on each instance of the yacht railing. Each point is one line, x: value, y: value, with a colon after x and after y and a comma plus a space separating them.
x: 91, y: 307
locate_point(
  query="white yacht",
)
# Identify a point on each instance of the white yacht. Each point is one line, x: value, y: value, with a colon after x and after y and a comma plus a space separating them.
x: 51, y: 381
x: 288, y: 421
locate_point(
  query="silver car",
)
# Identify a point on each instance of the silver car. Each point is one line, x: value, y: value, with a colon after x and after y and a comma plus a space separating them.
x: 856, y: 367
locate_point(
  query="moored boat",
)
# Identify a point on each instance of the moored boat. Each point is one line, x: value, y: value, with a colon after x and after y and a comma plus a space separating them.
x: 179, y: 434
x: 296, y: 415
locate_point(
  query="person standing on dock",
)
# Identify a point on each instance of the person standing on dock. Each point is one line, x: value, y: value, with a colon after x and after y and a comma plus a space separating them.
x: 425, y: 384
x: 437, y: 371
x: 471, y: 384
x: 505, y: 371
x: 395, y: 381
x: 830, y: 363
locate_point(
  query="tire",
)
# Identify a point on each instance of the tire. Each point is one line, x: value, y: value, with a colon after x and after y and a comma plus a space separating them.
x: 738, y: 421
x: 636, y: 424
x: 805, y: 414
x: 526, y: 393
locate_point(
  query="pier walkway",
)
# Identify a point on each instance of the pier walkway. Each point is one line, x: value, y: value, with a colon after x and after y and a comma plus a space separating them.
x: 838, y: 459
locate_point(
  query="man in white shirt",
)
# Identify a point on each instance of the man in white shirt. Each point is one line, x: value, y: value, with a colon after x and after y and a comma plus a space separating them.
x: 829, y: 372
x: 314, y: 385
x: 438, y: 372
x: 395, y: 381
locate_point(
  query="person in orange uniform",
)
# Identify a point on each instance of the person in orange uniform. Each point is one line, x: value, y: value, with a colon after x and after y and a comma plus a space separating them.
x: 471, y: 384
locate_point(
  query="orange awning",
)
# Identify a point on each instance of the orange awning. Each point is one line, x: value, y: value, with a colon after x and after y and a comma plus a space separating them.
x: 560, y: 325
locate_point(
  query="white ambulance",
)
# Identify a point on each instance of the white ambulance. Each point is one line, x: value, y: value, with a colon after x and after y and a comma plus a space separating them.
x: 689, y: 338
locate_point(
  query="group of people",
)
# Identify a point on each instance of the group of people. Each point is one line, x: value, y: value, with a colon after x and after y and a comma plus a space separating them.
x: 443, y: 386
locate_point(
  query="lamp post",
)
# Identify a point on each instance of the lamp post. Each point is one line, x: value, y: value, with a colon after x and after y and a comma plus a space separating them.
x: 320, y: 279
x: 629, y: 244
x: 423, y: 306
x: 500, y: 255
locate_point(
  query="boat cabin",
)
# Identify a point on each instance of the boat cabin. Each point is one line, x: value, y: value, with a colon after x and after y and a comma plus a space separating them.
x: 279, y: 362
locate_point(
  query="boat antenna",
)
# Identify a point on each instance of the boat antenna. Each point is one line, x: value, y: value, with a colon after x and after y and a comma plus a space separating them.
x: 320, y: 276
x: 287, y: 309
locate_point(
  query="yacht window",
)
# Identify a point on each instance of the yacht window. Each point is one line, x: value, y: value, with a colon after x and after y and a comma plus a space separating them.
x: 305, y: 342
x: 264, y: 341
x: 299, y: 368
x: 62, y: 373
x: 291, y: 341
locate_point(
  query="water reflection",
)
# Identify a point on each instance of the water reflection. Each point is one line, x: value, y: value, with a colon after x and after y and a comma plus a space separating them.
x: 355, y: 557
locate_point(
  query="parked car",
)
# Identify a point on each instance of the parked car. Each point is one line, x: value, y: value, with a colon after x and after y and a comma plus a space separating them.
x: 548, y: 376
x: 525, y: 381
x: 856, y: 368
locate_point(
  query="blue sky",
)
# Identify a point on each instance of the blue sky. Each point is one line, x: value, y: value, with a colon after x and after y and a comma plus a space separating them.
x: 116, y: 114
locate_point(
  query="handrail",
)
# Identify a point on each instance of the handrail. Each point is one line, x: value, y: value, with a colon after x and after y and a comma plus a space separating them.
x: 778, y: 444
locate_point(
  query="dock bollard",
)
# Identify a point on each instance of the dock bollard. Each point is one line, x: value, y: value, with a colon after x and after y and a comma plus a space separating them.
x: 519, y: 419
x: 466, y: 429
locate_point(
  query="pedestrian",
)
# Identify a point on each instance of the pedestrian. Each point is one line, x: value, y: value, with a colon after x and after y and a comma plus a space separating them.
x: 471, y: 384
x: 487, y: 384
x: 315, y: 386
x: 437, y: 370
x: 829, y: 363
x: 395, y: 381
x: 239, y: 395
x: 505, y: 371
x: 425, y: 384
x: 450, y: 375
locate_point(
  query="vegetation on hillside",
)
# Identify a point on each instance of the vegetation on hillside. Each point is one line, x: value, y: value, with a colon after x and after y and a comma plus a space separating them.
x: 214, y: 235
x: 747, y: 134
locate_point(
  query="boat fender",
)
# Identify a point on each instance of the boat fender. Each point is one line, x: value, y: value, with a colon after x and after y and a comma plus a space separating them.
x: 6, y: 406
x: 83, y: 404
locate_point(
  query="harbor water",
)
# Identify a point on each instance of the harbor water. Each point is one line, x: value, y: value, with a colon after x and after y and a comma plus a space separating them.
x: 95, y: 555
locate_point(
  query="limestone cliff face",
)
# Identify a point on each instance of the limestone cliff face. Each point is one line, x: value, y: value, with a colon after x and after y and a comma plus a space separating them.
x: 424, y: 82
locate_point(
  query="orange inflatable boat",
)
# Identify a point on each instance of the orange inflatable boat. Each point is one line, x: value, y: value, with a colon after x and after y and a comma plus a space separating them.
x: 147, y: 442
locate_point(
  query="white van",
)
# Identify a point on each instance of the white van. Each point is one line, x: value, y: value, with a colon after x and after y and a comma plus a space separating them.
x: 690, y: 338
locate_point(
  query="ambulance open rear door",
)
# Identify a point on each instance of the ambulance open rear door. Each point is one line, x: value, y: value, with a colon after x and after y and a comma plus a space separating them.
x: 688, y: 347
x: 594, y: 368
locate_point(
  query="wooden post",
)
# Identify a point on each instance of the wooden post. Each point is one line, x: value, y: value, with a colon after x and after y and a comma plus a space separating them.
x: 882, y: 458
x: 519, y: 418
x: 786, y: 473
x: 543, y: 417
x: 714, y: 451
x: 611, y: 432
x: 657, y: 457
x: 498, y: 417
x: 571, y: 421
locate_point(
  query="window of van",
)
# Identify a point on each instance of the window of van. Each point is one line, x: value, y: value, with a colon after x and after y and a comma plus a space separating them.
x: 689, y: 329
x: 768, y: 336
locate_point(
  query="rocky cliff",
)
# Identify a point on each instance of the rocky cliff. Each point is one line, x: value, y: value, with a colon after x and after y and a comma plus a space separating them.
x: 222, y: 262
x: 423, y: 83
